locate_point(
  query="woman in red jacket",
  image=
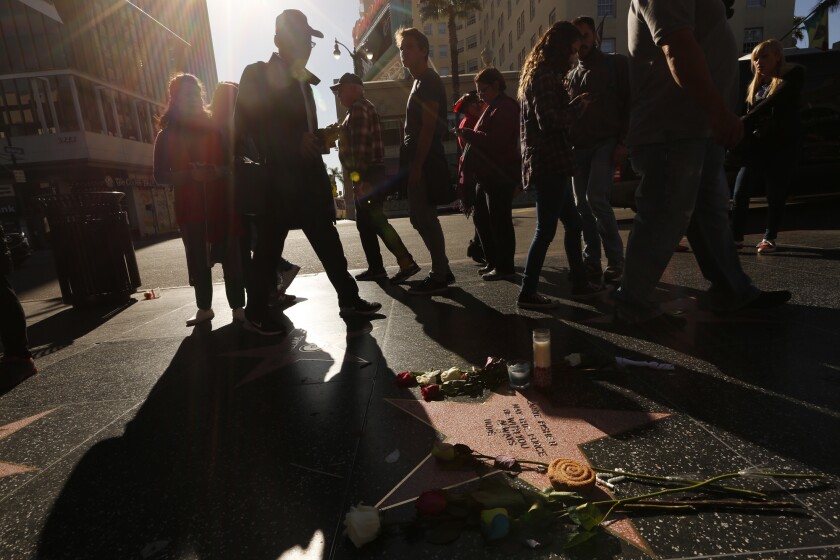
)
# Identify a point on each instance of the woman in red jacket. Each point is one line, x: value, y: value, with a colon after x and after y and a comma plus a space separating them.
x: 189, y: 156
x: 493, y: 157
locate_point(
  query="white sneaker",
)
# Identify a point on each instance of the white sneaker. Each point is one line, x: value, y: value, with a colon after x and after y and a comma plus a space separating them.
x: 200, y: 316
x: 239, y: 315
x: 287, y: 276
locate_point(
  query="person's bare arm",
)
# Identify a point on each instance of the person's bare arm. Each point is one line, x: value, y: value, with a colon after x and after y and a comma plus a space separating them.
x: 691, y: 73
x: 427, y: 132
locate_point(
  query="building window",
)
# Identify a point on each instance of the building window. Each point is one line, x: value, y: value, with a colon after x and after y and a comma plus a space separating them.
x: 606, y: 8
x: 752, y: 37
x: 444, y: 70
x: 501, y: 23
x: 461, y: 68
x: 509, y: 10
x: 443, y: 50
x: 501, y: 55
x: 461, y: 46
x: 471, y: 19
x: 533, y: 40
x: 520, y: 25
x: 427, y: 30
x: 756, y: 3
x: 472, y: 65
x: 532, y: 10
x: 442, y: 28
x: 522, y: 54
x: 472, y: 42
x: 552, y: 17
x: 510, y: 41
x: 608, y: 45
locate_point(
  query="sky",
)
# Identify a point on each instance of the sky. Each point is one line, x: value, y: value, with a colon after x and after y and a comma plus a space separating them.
x: 243, y: 32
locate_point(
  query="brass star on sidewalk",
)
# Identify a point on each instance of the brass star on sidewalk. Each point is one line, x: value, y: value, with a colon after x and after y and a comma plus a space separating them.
x: 292, y: 349
x: 525, y: 427
x: 9, y: 469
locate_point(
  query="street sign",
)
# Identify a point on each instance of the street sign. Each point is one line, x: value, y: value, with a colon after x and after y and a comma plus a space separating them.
x: 13, y: 150
x: 20, y: 176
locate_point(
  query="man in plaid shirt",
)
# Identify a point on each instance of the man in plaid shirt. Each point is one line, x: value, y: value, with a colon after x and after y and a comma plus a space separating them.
x: 361, y: 152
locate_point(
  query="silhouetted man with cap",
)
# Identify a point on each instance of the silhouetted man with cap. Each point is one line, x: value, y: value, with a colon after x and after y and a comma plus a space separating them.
x: 361, y: 152
x: 276, y: 111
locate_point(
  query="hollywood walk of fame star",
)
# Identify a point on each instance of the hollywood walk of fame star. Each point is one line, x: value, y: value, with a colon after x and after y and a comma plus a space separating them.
x: 292, y: 349
x: 9, y: 469
x: 525, y: 427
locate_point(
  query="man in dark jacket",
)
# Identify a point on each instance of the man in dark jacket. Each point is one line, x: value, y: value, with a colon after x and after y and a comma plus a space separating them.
x: 16, y: 364
x: 598, y: 140
x: 276, y: 110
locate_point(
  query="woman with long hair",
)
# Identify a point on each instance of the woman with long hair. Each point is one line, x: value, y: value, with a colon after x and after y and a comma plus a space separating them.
x: 546, y: 117
x: 773, y: 139
x: 189, y: 155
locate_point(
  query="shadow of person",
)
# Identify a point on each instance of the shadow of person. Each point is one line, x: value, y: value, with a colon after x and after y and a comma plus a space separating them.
x: 219, y: 462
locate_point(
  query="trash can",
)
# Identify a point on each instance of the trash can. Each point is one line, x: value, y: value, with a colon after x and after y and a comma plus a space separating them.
x: 92, y: 247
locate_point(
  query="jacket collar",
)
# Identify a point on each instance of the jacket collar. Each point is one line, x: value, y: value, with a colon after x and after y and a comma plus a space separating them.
x: 306, y: 76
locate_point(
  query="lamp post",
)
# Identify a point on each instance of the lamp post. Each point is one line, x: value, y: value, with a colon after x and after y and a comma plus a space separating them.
x: 355, y: 55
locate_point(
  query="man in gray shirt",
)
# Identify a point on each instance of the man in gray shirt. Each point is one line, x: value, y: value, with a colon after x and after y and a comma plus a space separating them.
x: 683, y: 77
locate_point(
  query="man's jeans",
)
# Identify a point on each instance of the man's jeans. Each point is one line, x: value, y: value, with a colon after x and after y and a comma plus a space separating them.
x: 592, y: 184
x: 554, y: 201
x: 372, y: 225
x: 683, y: 191
x: 424, y: 219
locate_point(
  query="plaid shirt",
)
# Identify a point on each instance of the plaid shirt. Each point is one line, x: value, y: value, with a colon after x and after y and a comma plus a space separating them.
x: 360, y: 145
x: 546, y: 117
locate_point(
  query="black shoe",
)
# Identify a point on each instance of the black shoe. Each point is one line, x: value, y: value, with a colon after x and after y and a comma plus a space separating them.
x: 371, y: 274
x: 429, y: 286
x: 484, y: 270
x: 450, y: 278
x: 536, y: 301
x: 594, y: 273
x: 612, y: 274
x: 588, y: 291
x: 405, y: 273
x: 266, y: 327
x: 359, y: 307
x: 768, y: 300
x: 494, y: 275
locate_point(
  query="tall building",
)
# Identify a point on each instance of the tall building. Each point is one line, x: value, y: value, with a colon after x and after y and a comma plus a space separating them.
x: 80, y: 86
x: 502, y: 33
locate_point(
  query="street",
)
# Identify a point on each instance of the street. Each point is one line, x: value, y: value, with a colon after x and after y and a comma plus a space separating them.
x: 162, y: 263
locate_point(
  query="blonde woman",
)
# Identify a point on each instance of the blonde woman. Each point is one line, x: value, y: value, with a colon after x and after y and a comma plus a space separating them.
x: 773, y: 131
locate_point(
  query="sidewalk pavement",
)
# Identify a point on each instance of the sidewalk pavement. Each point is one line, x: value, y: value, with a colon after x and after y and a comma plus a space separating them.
x: 141, y: 438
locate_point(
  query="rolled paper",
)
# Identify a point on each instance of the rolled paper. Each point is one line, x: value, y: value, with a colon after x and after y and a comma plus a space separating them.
x: 567, y: 475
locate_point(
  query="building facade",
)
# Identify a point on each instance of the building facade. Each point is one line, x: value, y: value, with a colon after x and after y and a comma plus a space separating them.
x: 81, y: 84
x: 504, y: 31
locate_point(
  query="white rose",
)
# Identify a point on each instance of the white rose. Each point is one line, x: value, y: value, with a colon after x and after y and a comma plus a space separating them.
x: 452, y: 374
x: 362, y: 524
x: 427, y: 378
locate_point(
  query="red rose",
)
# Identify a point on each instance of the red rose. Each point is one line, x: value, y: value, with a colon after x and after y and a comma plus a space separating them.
x: 431, y: 392
x: 405, y: 379
x: 431, y: 502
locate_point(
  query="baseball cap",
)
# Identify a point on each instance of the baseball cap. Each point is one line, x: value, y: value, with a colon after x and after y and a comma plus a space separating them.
x: 466, y: 99
x: 294, y: 20
x: 347, y: 78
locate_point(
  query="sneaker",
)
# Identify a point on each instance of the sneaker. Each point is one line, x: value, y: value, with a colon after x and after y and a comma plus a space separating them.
x: 267, y: 326
x: 484, y: 270
x: 494, y: 275
x: 238, y: 315
x: 612, y: 274
x: 594, y: 273
x: 200, y: 316
x: 405, y: 273
x: 429, y: 286
x: 285, y: 277
x: 536, y: 301
x: 766, y: 246
x: 768, y: 300
x: 371, y: 274
x: 359, y: 307
x: 588, y: 291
